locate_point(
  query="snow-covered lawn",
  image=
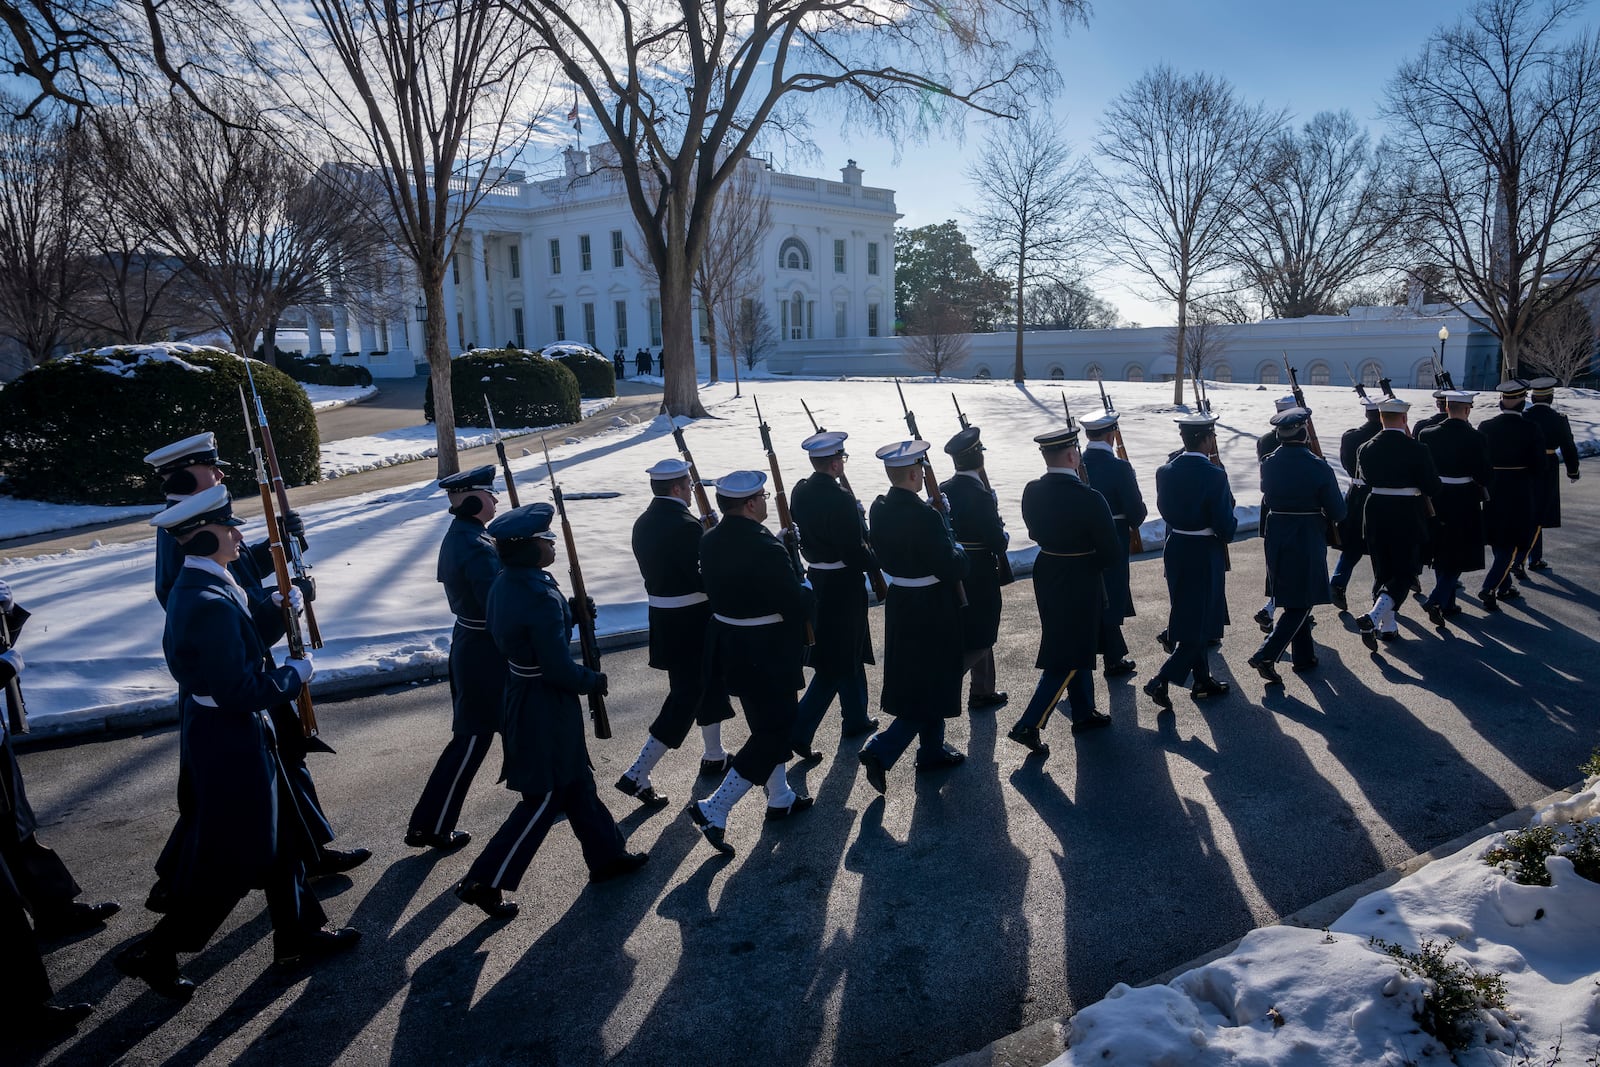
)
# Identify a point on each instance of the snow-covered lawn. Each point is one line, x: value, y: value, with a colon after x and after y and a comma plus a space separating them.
x: 353, y: 454
x: 328, y: 397
x: 25, y: 518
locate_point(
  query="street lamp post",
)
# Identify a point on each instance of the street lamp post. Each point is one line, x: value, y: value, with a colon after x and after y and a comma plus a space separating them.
x: 422, y: 311
x: 1444, y: 335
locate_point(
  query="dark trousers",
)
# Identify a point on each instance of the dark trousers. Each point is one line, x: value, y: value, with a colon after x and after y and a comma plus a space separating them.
x: 195, y: 916
x: 1394, y: 568
x: 891, y: 743
x: 505, y: 859
x: 23, y: 981
x: 687, y: 703
x: 1498, y: 580
x: 1342, y: 569
x: 771, y: 717
x: 1289, y: 629
x: 439, y: 807
x: 1535, y: 550
x: 1189, y: 656
x: 1444, y: 588
x: 979, y: 665
x: 43, y: 882
x: 818, y: 698
x: 1077, y: 686
x: 1113, y: 646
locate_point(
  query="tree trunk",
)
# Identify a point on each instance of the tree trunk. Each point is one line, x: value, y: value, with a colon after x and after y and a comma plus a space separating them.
x: 711, y: 342
x: 681, y: 392
x: 1180, y: 357
x: 1016, y: 368
x: 1510, y: 358
x: 269, y: 346
x: 436, y: 341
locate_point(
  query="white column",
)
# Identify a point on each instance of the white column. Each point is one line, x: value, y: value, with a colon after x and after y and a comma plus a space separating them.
x: 313, y: 333
x: 480, y: 292
x: 369, y: 338
x: 532, y: 313
x: 341, y: 331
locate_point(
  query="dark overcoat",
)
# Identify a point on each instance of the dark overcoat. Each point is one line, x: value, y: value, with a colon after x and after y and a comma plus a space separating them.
x: 1396, y: 460
x: 975, y: 523
x: 748, y: 575
x: 1459, y: 450
x: 1299, y: 495
x: 1557, y: 431
x: 1115, y: 480
x: 468, y: 566
x: 833, y: 533
x: 1077, y: 541
x: 1355, y: 499
x: 541, y: 720
x: 1516, y: 454
x: 16, y: 814
x: 922, y: 642
x: 1192, y: 494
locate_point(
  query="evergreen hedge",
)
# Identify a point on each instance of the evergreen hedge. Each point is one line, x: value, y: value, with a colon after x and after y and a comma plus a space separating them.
x: 596, y: 375
x: 76, y: 430
x: 523, y: 388
x: 321, y: 370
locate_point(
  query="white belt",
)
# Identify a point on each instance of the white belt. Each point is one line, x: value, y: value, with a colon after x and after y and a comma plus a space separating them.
x: 974, y: 546
x: 204, y: 702
x: 835, y: 565
x: 1550, y: 451
x: 684, y: 601
x: 472, y: 624
x: 526, y: 672
x: 1383, y: 490
x: 1124, y: 518
x: 911, y: 583
x: 759, y: 620
x: 1275, y: 511
x: 1357, y: 483
x: 1455, y: 481
x: 1207, y: 532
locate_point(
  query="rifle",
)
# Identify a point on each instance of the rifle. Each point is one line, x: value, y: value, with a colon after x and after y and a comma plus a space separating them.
x: 280, y: 565
x: 1203, y: 404
x: 500, y: 450
x: 1003, y: 560
x: 588, y: 644
x: 786, y: 529
x: 880, y: 588
x: 301, y: 574
x: 930, y: 482
x: 1135, y: 542
x: 1361, y: 390
x: 708, y: 517
x: 1330, y: 528
x: 16, y: 708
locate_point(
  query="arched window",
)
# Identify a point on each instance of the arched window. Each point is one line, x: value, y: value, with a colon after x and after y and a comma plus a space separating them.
x: 1319, y: 373
x: 1057, y: 374
x: 793, y: 255
x: 983, y: 372
x: 1267, y: 373
x: 1370, y: 373
x: 1422, y: 374
x: 1222, y: 373
x: 1093, y: 371
x: 1134, y: 373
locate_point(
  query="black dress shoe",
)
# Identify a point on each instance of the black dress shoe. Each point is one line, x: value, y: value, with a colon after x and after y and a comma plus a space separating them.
x: 877, y: 773
x: 75, y: 918
x: 1489, y: 602
x: 337, y: 861
x: 1368, y: 627
x: 487, y: 899
x: 646, y: 796
x: 1519, y: 573
x: 44, y: 1020
x: 794, y: 807
x: 1389, y: 635
x: 1207, y: 688
x: 1264, y: 620
x: 1539, y: 565
x: 1028, y: 737
x: 715, y: 835
x: 158, y: 970
x: 1435, y: 614
x: 1156, y: 690
x: 1336, y: 594
x: 1509, y: 592
x: 1453, y: 610
x: 1097, y: 721
x: 870, y: 726
x: 947, y: 757
x: 1120, y: 668
x: 711, y: 768
x: 987, y: 702
x: 448, y: 841
x: 1267, y: 669
x: 1416, y: 586
x: 807, y: 755
x: 1305, y: 668
x: 626, y: 863
x: 317, y: 945
x: 1166, y: 642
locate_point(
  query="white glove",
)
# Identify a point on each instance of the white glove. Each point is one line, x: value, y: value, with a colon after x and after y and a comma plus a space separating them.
x: 946, y: 502
x: 805, y: 583
x: 302, y: 667
x: 296, y: 598
x: 6, y: 603
x: 13, y: 657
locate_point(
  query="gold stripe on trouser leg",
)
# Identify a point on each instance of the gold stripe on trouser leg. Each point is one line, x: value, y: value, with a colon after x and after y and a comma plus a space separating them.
x: 1051, y: 707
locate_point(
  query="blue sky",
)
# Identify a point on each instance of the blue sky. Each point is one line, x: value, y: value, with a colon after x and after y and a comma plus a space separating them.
x: 1296, y: 55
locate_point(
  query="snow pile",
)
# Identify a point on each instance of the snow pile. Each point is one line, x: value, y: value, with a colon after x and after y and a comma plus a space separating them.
x: 328, y: 397
x: 569, y: 348
x: 123, y: 360
x: 1292, y: 996
x: 25, y: 518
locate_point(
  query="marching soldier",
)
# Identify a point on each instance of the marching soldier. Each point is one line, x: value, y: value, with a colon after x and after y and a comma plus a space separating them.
x: 246, y: 829
x: 1461, y: 457
x: 756, y: 648
x: 1517, y: 456
x: 467, y: 568
x: 1115, y: 480
x: 976, y: 525
x: 922, y: 661
x: 1299, y: 497
x: 25, y: 991
x: 1398, y: 471
x: 666, y: 545
x: 833, y: 541
x: 187, y: 467
x: 1355, y: 502
x: 1441, y: 412
x: 1077, y: 540
x: 541, y: 721
x: 1193, y: 497
x: 1266, y: 444
x: 1559, y: 449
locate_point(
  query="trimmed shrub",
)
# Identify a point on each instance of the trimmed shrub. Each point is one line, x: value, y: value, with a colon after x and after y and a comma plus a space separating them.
x: 321, y: 370
x: 523, y: 388
x: 76, y: 430
x: 596, y: 376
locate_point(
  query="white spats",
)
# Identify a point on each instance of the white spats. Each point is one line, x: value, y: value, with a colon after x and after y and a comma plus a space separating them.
x: 1383, y: 614
x: 779, y: 795
x: 649, y: 756
x: 712, y: 736
x: 718, y: 804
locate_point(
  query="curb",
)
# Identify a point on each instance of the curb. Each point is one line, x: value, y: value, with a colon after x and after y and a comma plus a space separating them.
x: 1045, y: 1040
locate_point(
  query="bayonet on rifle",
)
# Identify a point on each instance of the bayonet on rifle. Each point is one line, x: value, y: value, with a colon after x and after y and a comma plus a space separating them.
x: 588, y: 642
x: 500, y: 450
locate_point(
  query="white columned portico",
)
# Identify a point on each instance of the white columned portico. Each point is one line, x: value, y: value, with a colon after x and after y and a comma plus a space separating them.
x: 480, y: 292
x: 313, y: 333
x: 530, y: 300
x: 341, y: 331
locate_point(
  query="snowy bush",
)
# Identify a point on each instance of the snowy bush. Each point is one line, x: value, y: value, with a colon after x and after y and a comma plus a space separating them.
x: 320, y: 370
x: 76, y: 430
x: 523, y: 388
x: 596, y: 375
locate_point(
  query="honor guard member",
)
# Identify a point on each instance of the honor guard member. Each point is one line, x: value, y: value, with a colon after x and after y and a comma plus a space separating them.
x: 192, y: 466
x: 38, y: 876
x: 1193, y: 497
x: 541, y: 721
x: 1115, y: 480
x: 1441, y: 412
x: 1516, y: 456
x: 666, y: 544
x: 1353, y: 545
x: 468, y: 566
x: 25, y: 1009
x: 922, y: 662
x: 1461, y: 458
x: 1299, y: 498
x: 833, y: 536
x: 1266, y: 444
x: 755, y: 646
x: 246, y: 830
x: 1399, y: 474
x: 1077, y: 540
x: 975, y: 522
x: 1559, y: 449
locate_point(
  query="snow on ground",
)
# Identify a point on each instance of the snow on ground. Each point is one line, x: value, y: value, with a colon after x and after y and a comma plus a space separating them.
x: 328, y: 397
x: 1330, y: 998
x: 94, y: 645
x: 354, y: 454
x: 25, y: 518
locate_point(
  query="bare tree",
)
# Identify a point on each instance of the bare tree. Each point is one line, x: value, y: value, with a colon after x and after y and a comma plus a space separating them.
x: 683, y: 92
x: 1032, y: 215
x: 1498, y: 126
x: 940, y: 344
x: 1069, y: 304
x: 1203, y: 344
x: 753, y: 337
x: 729, y: 270
x: 1561, y: 342
x: 1316, y: 217
x: 1175, y: 156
